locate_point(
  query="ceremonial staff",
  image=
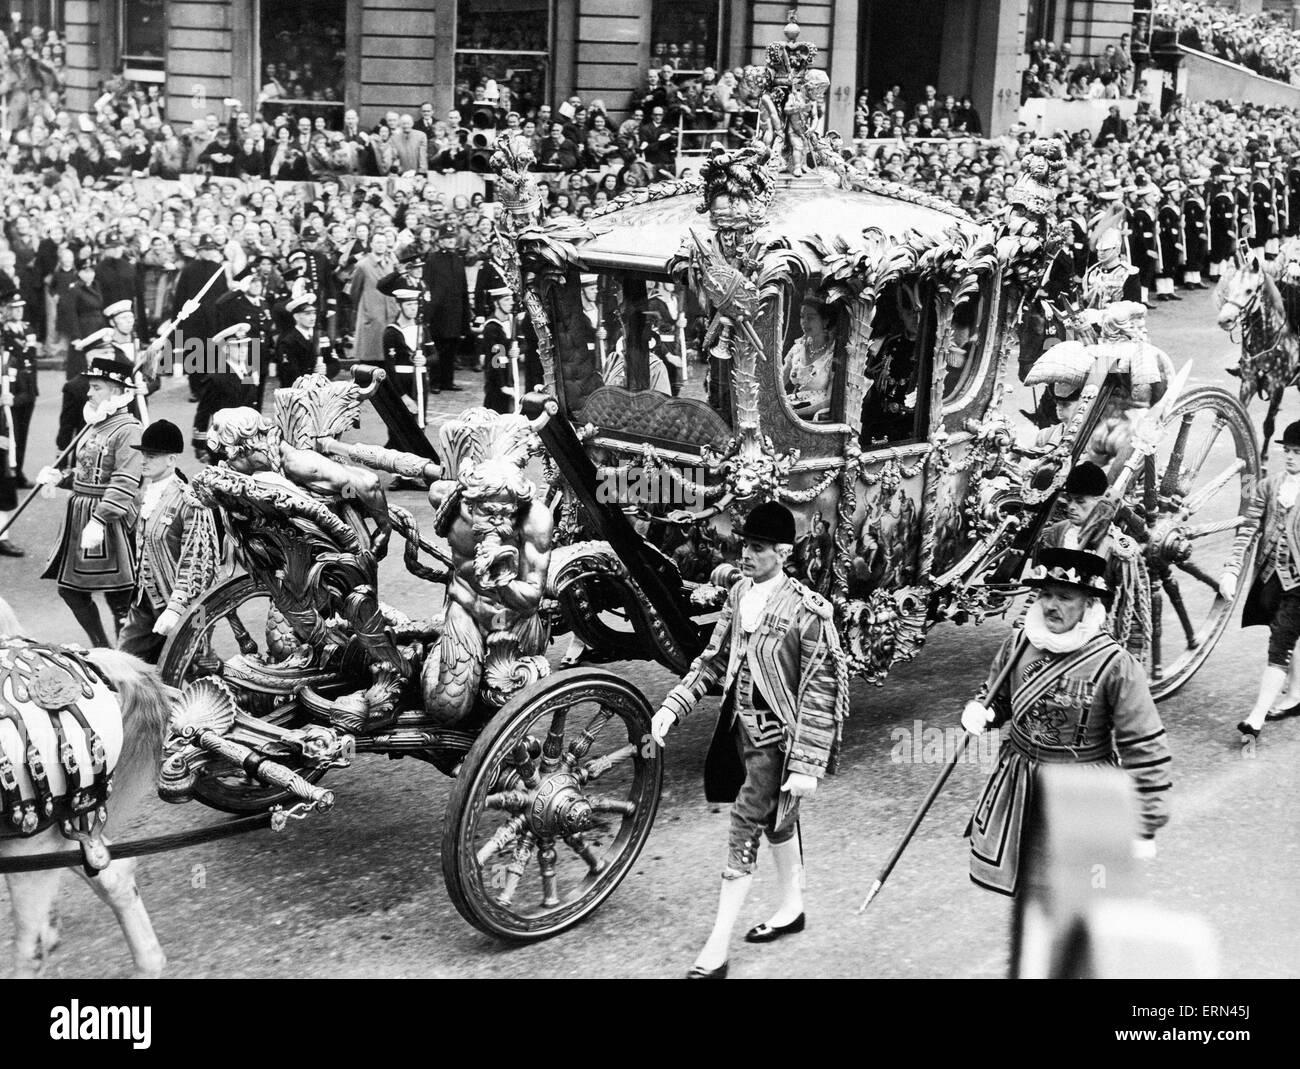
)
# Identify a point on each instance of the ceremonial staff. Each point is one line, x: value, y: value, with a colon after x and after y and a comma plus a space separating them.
x: 187, y: 310
x: 1145, y: 439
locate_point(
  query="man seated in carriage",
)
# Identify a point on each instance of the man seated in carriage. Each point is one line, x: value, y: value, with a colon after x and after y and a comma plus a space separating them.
x: 892, y: 369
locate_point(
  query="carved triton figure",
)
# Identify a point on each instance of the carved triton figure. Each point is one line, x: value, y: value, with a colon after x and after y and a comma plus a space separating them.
x: 254, y: 446
x: 500, y: 537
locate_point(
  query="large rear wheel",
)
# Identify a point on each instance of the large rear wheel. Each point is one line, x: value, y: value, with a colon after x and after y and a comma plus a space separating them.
x: 1195, y: 490
x: 552, y: 805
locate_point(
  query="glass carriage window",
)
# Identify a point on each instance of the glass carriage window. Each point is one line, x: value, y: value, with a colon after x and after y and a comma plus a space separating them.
x: 503, y: 54
x: 302, y: 73
x: 894, y: 409
x: 640, y: 337
x: 144, y: 39
x: 810, y: 355
x: 969, y: 331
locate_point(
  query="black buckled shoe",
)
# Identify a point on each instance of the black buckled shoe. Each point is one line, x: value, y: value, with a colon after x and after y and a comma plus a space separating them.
x: 767, y: 933
x: 699, y: 972
x: 1247, y: 732
x: 8, y: 549
x: 1285, y: 713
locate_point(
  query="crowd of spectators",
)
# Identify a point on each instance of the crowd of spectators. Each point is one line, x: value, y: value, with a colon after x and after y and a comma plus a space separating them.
x: 1055, y: 71
x: 65, y: 175
x: 1263, y: 42
x: 932, y: 116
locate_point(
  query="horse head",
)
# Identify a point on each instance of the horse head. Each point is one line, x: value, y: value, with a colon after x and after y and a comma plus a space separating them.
x: 1239, y: 289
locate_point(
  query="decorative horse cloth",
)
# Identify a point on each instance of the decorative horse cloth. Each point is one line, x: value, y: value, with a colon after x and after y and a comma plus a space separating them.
x: 60, y: 735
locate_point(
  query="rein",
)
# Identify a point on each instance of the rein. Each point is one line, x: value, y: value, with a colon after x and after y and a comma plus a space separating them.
x: 61, y: 859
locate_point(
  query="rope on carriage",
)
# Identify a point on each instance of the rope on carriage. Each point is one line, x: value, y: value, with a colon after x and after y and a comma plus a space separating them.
x: 410, y: 532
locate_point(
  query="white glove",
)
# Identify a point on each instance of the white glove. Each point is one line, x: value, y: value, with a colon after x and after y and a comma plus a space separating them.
x: 92, y: 537
x: 800, y: 785
x: 976, y: 717
x: 166, y: 622
x: 1144, y: 849
x: 1228, y: 585
x: 49, y: 476
x: 662, y: 724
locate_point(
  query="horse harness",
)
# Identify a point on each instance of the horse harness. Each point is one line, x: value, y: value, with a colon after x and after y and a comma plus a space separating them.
x: 53, y: 679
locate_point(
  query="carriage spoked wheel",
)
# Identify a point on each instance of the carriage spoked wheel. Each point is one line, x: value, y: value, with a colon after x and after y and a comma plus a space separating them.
x: 1195, y: 490
x: 552, y: 805
x: 236, y: 616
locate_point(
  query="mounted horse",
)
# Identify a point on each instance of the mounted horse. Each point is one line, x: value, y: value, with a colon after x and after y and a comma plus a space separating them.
x: 1262, y: 300
x: 100, y: 717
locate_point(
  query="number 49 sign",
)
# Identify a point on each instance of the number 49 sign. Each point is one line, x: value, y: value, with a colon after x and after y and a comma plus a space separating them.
x: 199, y: 98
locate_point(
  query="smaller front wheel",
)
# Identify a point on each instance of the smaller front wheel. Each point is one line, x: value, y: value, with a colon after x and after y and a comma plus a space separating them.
x: 552, y: 806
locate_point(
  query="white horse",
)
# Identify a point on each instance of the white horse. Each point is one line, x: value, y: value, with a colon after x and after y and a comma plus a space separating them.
x: 146, y: 709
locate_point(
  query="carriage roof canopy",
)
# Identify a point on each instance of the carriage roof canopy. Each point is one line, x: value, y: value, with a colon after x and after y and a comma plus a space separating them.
x: 646, y: 236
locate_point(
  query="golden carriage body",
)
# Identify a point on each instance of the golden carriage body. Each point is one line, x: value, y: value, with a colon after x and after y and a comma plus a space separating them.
x: 913, y: 501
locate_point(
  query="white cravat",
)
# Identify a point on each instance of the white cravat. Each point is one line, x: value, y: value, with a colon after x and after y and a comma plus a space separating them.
x: 153, y: 493
x: 1288, y: 491
x: 754, y: 600
x: 1071, y: 539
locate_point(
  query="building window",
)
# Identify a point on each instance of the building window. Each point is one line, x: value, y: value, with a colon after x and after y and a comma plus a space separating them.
x: 301, y: 73
x: 20, y: 17
x: 503, y: 54
x: 143, y: 34
x: 687, y: 34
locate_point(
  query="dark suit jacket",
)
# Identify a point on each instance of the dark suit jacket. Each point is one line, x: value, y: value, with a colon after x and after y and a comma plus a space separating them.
x: 294, y: 357
x: 81, y: 312
x: 447, y: 311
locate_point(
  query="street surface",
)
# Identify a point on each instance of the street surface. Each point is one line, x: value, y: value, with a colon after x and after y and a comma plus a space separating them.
x: 358, y: 892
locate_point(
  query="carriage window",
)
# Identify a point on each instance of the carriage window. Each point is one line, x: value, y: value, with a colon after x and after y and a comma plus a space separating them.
x: 809, y: 359
x: 893, y: 409
x: 640, y: 335
x: 964, y: 355
x: 617, y: 332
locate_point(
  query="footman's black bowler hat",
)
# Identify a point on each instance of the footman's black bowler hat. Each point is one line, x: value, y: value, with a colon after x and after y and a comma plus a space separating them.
x: 1086, y: 478
x: 1291, y: 436
x: 770, y: 522
x: 161, y: 436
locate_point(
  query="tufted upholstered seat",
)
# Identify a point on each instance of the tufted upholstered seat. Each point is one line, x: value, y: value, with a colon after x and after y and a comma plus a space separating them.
x: 654, y: 417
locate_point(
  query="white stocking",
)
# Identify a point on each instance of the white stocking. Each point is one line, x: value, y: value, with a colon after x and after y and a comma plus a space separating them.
x: 731, y: 897
x: 1269, y: 688
x: 789, y: 872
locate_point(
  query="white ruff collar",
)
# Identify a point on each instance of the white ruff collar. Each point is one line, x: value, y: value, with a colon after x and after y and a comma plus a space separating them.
x: 1094, y: 619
